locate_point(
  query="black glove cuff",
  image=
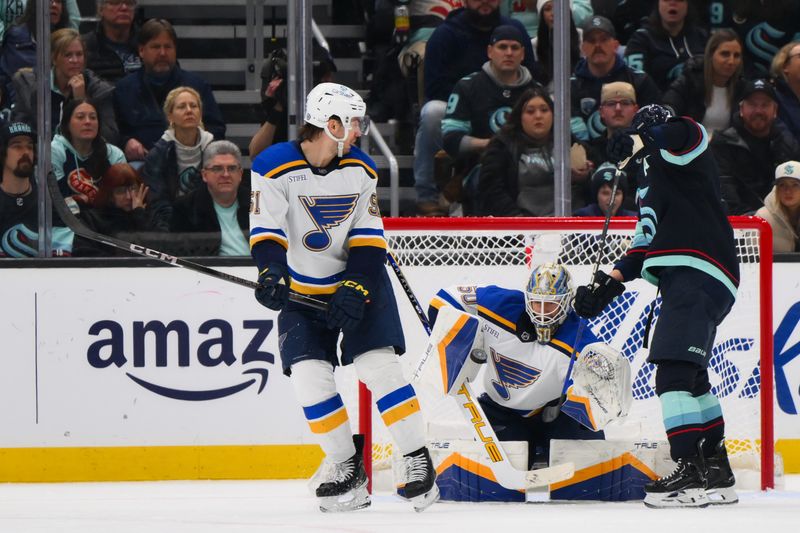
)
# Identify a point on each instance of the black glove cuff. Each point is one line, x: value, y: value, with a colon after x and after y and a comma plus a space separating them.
x: 273, y: 116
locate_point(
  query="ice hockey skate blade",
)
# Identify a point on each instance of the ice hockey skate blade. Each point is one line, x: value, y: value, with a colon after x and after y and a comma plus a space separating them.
x: 666, y: 500
x: 353, y: 501
x: 724, y: 496
x: 423, y: 501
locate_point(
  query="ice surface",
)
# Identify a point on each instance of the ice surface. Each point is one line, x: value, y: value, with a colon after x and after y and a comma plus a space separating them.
x: 266, y: 506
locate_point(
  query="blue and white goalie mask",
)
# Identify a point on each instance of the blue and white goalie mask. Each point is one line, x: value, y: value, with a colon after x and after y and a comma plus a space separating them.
x: 548, y: 296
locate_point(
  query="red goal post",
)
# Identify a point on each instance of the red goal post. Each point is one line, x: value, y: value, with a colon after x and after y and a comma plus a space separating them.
x: 438, y: 252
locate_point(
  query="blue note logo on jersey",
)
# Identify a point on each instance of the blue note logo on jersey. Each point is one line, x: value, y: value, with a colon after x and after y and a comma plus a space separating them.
x: 512, y: 374
x: 326, y: 212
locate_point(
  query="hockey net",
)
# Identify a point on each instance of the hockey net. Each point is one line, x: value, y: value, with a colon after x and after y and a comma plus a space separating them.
x: 436, y: 253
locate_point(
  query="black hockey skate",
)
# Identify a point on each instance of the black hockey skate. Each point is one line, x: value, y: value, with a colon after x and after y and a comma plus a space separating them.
x: 420, y: 485
x: 684, y: 487
x: 720, y: 477
x: 346, y: 487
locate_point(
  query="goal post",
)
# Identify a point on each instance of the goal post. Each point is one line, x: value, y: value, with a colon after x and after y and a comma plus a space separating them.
x: 436, y: 253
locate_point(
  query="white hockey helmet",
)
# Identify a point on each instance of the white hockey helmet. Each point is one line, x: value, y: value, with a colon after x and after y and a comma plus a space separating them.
x: 327, y: 100
x: 548, y: 283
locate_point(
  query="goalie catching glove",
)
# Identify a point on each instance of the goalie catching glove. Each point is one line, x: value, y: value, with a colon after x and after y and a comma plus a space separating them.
x: 590, y: 300
x: 346, y: 308
x: 601, y: 388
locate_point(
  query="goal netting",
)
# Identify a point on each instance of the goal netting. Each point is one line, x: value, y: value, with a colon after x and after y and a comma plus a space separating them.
x: 436, y: 253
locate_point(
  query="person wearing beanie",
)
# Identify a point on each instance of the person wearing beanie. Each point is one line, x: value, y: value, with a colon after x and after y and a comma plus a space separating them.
x: 19, y: 202
x: 602, y: 184
x: 782, y: 208
x: 479, y: 106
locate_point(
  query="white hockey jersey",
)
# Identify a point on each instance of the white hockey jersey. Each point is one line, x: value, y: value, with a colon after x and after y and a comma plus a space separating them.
x: 317, y: 215
x: 520, y: 376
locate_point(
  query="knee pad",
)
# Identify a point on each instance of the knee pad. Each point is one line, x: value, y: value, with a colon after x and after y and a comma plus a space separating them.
x: 380, y: 370
x: 312, y: 381
x: 672, y: 376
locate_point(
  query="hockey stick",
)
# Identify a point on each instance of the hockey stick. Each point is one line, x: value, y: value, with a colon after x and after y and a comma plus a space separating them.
x: 409, y: 293
x: 637, y: 146
x: 79, y: 228
x: 505, y: 473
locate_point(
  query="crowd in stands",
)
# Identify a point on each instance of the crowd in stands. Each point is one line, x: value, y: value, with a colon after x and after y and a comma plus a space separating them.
x: 138, y: 142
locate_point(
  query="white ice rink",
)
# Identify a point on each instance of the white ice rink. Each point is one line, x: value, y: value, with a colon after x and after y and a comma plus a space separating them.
x: 267, y: 506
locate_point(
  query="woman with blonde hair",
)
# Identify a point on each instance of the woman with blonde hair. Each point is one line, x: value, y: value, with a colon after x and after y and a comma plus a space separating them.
x: 710, y: 86
x: 172, y: 167
x: 70, y: 80
x: 782, y: 208
x: 786, y: 78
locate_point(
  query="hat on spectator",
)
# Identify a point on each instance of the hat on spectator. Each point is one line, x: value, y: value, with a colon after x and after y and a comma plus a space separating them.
x: 789, y: 169
x: 617, y: 89
x: 759, y: 86
x: 605, y: 175
x: 599, y: 23
x: 506, y: 32
x: 15, y: 129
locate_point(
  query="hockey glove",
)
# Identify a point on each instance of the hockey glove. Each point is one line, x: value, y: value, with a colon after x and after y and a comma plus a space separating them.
x: 273, y: 286
x: 346, y: 308
x: 590, y: 300
x: 620, y: 146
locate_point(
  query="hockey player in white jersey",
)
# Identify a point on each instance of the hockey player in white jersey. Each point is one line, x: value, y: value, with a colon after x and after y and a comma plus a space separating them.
x: 528, y: 338
x: 315, y: 229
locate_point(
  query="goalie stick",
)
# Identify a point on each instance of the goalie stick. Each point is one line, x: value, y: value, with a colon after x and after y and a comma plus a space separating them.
x: 79, y: 228
x: 505, y: 473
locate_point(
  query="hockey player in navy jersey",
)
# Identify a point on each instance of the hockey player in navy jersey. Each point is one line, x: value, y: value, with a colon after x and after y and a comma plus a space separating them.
x: 683, y: 244
x: 529, y: 337
x: 315, y: 229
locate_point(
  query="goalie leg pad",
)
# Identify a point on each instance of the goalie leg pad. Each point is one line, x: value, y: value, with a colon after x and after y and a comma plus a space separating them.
x: 451, y: 344
x: 381, y: 372
x: 315, y: 390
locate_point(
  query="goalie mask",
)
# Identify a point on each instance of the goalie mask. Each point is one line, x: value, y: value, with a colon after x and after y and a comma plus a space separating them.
x: 328, y: 100
x: 548, y: 296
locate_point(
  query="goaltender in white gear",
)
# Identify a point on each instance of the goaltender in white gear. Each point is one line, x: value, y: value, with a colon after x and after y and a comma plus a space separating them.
x: 528, y: 338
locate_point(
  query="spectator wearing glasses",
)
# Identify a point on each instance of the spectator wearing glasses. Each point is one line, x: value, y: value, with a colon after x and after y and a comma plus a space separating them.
x: 786, y: 73
x: 111, y: 49
x: 617, y: 108
x: 709, y: 87
x: 119, y: 206
x: 172, y: 167
x: 600, y: 65
x: 139, y: 97
x: 222, y: 205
